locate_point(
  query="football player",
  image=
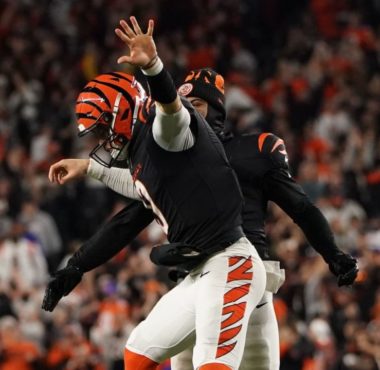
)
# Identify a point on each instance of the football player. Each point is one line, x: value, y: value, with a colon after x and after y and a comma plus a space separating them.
x: 177, y: 167
x: 263, y: 175
x: 261, y: 164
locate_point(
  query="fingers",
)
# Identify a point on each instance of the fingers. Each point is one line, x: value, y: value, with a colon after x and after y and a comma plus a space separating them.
x: 66, y: 170
x: 150, y: 27
x: 348, y: 278
x: 128, y: 30
x: 51, y: 172
x: 127, y: 33
x: 52, y: 296
x: 54, y: 171
x: 124, y: 59
x: 135, y: 25
x: 65, y: 177
x: 122, y: 36
x: 58, y: 173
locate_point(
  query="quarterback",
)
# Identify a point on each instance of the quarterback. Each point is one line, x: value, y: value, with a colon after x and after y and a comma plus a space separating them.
x: 178, y: 168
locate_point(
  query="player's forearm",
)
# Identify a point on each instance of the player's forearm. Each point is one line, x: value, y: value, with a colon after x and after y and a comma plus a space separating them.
x: 162, y: 88
x: 289, y: 195
x: 317, y: 231
x: 117, y: 179
x: 112, y: 237
x: 171, y: 127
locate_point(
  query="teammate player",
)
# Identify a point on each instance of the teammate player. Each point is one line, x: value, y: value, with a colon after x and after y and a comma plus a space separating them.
x: 178, y: 169
x: 261, y: 163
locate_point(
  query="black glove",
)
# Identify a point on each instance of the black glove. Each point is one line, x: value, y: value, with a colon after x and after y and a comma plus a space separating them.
x: 345, y: 268
x: 62, y: 283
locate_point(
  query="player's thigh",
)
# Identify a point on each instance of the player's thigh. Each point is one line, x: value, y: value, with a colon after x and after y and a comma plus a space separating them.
x: 229, y: 288
x: 262, y: 351
x: 168, y: 326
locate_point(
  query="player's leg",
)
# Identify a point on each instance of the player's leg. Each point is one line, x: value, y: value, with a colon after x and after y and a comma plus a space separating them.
x: 229, y: 287
x: 166, y: 330
x: 136, y: 361
x: 262, y: 347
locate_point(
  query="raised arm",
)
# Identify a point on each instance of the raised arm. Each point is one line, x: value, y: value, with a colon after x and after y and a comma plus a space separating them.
x: 171, y: 125
x: 282, y: 189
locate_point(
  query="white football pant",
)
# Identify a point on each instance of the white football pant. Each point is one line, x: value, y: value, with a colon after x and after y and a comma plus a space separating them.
x: 262, y: 347
x: 213, y: 303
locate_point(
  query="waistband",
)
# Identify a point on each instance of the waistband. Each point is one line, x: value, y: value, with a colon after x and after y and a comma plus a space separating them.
x: 186, y: 256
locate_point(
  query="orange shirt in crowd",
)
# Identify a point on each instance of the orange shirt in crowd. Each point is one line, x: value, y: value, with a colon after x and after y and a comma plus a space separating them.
x: 200, y: 57
x: 19, y: 355
x: 325, y: 13
x: 363, y: 35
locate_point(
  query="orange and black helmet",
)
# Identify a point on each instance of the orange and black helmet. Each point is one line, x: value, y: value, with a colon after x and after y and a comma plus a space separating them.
x: 108, y: 107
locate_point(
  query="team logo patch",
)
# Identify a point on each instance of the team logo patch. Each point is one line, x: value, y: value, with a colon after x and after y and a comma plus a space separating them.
x: 185, y: 89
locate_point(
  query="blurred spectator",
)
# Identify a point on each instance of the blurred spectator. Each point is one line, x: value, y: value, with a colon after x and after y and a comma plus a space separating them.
x: 43, y: 227
x: 23, y: 265
x: 73, y: 351
x: 16, y: 351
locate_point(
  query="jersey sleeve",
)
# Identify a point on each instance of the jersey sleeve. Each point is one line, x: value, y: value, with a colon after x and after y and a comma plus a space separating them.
x: 172, y: 131
x: 113, y: 236
x: 118, y: 179
x: 282, y: 189
x: 273, y: 148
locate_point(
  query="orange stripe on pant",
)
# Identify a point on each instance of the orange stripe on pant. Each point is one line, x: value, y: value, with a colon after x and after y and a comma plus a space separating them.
x: 134, y: 361
x: 241, y: 272
x: 214, y: 367
x: 234, y: 313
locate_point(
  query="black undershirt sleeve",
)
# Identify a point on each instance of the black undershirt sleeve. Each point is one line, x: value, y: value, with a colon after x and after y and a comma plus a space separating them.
x: 285, y: 192
x: 112, y: 237
x: 162, y: 88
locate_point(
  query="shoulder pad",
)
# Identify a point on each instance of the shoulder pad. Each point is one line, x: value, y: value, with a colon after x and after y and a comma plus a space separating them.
x: 273, y: 146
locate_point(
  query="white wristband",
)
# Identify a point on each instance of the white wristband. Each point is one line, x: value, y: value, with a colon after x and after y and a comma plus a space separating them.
x: 155, y: 69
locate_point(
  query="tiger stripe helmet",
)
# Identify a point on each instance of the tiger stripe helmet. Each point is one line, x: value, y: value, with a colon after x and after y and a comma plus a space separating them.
x: 108, y: 106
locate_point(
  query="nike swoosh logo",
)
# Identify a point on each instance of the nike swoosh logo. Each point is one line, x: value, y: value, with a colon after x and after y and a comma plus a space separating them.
x: 261, y: 305
x: 204, y: 273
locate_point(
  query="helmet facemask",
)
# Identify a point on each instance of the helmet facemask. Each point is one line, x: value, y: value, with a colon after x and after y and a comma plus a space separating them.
x: 113, y: 146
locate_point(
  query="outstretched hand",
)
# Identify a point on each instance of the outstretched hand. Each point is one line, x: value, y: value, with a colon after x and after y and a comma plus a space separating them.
x: 67, y: 170
x: 141, y: 45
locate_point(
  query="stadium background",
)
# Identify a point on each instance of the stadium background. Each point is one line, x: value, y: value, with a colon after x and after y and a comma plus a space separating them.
x: 307, y: 70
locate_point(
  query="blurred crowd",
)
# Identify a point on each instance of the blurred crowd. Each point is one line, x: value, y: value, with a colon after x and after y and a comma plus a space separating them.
x: 309, y: 71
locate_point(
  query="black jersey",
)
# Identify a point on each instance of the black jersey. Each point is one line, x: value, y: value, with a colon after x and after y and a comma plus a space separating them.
x: 254, y: 158
x: 194, y: 193
x: 261, y: 165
